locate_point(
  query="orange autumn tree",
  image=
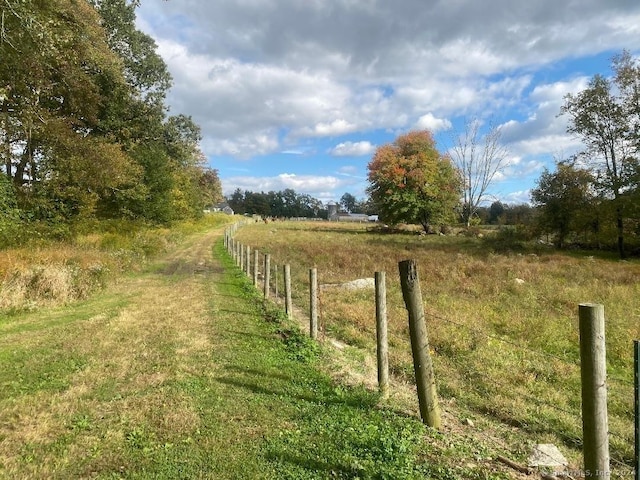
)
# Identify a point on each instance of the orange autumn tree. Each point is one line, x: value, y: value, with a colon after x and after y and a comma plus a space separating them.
x: 412, y: 182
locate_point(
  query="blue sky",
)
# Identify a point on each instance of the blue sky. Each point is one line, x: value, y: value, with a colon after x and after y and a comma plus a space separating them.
x: 299, y: 93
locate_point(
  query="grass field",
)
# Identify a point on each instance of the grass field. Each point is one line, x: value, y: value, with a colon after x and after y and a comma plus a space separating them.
x: 178, y: 370
x: 502, y: 323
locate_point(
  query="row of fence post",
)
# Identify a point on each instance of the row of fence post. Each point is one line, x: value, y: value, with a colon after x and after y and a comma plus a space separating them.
x: 592, y: 351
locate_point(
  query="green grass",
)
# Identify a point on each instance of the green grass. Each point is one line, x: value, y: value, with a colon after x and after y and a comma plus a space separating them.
x: 182, y: 371
x: 502, y: 323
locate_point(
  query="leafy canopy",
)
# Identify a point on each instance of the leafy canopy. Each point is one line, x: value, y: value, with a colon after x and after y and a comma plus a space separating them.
x: 412, y: 182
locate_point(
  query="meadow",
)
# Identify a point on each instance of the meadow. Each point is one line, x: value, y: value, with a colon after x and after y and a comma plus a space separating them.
x: 502, y: 318
x: 48, y: 273
x: 178, y: 369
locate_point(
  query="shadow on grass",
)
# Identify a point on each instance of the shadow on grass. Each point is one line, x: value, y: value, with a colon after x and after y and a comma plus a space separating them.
x: 245, y: 313
x: 352, y: 399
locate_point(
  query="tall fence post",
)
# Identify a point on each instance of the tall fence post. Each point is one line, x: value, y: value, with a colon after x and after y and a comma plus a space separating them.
x: 267, y: 274
x: 593, y: 375
x: 288, y: 304
x: 241, y: 256
x: 381, y: 334
x: 422, y: 365
x: 235, y: 251
x: 275, y: 281
x: 256, y: 267
x: 636, y: 383
x: 313, y: 303
x: 248, y: 261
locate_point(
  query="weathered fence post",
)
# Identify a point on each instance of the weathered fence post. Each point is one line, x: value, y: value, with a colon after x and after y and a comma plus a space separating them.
x: 288, y: 305
x: 256, y: 262
x: 313, y: 303
x: 381, y: 334
x: 241, y: 256
x: 593, y: 374
x: 636, y: 382
x: 275, y: 281
x: 267, y: 274
x: 236, y: 244
x: 422, y: 365
x: 248, y: 261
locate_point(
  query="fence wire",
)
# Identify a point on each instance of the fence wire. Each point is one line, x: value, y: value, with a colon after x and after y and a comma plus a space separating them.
x: 624, y: 465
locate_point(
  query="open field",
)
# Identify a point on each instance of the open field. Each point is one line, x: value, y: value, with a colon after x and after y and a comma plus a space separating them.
x: 179, y: 370
x: 503, y: 325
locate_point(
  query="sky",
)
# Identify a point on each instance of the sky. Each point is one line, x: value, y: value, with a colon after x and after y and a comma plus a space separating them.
x: 299, y: 93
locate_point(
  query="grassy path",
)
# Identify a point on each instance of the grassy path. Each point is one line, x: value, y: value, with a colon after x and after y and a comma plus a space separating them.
x: 182, y: 372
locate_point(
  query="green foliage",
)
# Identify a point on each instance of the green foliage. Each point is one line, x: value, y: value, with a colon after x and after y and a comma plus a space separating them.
x: 411, y: 182
x: 564, y: 199
x: 286, y: 203
x: 606, y: 117
x: 10, y: 223
x: 82, y: 120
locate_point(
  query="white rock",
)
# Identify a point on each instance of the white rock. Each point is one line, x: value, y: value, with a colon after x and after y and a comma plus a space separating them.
x: 358, y: 284
x: 546, y: 455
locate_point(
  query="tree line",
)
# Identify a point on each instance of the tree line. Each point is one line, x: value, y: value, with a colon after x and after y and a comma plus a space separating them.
x: 592, y: 199
x: 84, y: 128
x: 286, y: 204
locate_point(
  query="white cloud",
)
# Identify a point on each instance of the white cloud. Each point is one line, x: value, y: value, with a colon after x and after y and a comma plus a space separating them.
x: 433, y: 124
x: 517, y: 198
x: 331, y: 129
x: 262, y: 77
x: 310, y: 184
x: 353, y: 149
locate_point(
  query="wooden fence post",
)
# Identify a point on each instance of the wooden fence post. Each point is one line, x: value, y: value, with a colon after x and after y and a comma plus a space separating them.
x: 313, y: 303
x: 593, y: 374
x: 381, y: 334
x: 275, y: 281
x: 422, y: 365
x: 636, y: 382
x: 256, y: 262
x: 288, y: 305
x: 267, y: 274
x: 241, y: 256
x: 248, y: 261
x: 235, y: 251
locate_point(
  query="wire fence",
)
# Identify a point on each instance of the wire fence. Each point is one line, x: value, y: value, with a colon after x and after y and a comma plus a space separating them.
x: 525, y: 397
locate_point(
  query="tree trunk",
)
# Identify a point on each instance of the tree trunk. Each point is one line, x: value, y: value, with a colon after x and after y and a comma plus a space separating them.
x: 620, y: 227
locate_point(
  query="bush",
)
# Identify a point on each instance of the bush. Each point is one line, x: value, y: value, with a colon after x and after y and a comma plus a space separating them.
x: 510, y: 237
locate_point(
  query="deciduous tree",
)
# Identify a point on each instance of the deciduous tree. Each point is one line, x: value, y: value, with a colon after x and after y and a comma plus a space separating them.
x: 412, y: 182
x: 605, y: 117
x: 480, y: 158
x: 563, y: 198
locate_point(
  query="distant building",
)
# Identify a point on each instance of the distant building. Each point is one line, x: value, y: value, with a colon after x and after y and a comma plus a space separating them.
x: 335, y: 215
x: 221, y: 207
x: 332, y: 210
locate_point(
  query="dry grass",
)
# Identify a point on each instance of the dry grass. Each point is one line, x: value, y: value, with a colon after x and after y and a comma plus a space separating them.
x: 503, y: 326
x: 81, y: 415
x: 48, y: 274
